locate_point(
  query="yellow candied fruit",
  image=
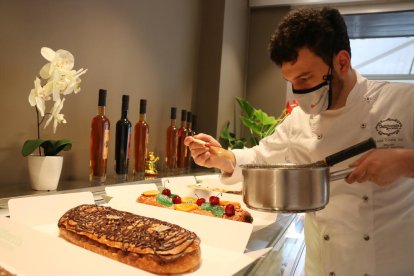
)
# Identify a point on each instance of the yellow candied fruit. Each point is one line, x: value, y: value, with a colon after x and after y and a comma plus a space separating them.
x: 151, y: 193
x: 186, y: 207
x: 189, y: 199
x: 225, y: 202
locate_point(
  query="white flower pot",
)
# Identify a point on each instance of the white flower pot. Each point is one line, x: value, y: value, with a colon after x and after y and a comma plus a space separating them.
x: 44, y: 171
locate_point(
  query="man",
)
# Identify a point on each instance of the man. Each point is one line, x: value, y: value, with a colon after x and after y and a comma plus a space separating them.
x: 368, y: 227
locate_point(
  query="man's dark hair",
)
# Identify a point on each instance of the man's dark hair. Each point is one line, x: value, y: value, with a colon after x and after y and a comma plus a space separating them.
x: 323, y: 31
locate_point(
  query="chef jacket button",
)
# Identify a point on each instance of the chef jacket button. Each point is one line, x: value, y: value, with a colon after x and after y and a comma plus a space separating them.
x: 367, y: 99
x: 326, y: 237
x: 366, y: 237
x: 365, y: 198
x: 319, y: 136
x: 363, y: 125
x: 331, y: 273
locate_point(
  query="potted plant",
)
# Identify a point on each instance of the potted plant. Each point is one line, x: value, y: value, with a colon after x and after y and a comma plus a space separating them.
x: 259, y: 123
x: 56, y: 81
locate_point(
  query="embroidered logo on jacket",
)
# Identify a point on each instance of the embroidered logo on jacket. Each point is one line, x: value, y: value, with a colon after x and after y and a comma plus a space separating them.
x: 388, y: 127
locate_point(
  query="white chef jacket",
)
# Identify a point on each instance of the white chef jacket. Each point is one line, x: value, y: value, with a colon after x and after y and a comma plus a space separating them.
x: 365, y: 229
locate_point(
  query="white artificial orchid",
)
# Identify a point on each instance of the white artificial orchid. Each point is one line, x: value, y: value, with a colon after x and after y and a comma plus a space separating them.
x: 60, y: 80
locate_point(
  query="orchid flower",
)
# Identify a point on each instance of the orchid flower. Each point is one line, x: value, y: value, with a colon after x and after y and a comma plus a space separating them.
x: 56, y: 116
x: 37, y: 97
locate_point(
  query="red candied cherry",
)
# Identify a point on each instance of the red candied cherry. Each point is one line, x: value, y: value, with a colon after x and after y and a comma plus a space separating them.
x: 214, y: 200
x: 200, y: 201
x: 176, y: 199
x: 166, y: 192
x: 229, y: 210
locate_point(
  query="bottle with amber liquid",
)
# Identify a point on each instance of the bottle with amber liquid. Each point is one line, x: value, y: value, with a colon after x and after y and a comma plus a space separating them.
x: 122, y: 141
x: 141, y: 140
x: 99, y: 142
x: 181, y: 148
x: 172, y: 142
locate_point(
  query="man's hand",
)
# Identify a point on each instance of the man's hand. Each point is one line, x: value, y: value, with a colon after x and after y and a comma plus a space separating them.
x: 200, y: 151
x: 383, y: 166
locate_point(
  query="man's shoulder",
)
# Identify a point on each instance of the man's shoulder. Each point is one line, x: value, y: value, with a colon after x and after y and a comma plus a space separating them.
x: 390, y: 87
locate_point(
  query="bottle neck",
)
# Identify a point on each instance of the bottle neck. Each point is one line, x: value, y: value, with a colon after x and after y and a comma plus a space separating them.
x: 183, y: 124
x: 101, y: 110
x: 142, y: 117
x: 124, y: 114
x: 173, y: 122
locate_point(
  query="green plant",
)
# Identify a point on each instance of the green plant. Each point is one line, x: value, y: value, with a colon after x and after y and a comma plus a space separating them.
x: 60, y: 81
x: 259, y: 123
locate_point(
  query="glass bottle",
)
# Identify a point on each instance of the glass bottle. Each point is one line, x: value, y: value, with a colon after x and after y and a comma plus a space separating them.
x: 172, y: 142
x: 181, y: 148
x: 123, y: 141
x: 141, y: 140
x: 99, y: 141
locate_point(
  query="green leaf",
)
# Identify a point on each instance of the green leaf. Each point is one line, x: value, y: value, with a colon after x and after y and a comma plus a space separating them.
x: 50, y: 147
x: 271, y: 129
x: 245, y: 106
x: 63, y: 144
x: 263, y: 118
x: 238, y: 144
x: 253, y: 126
x: 253, y: 141
x: 225, y: 133
x: 30, y: 146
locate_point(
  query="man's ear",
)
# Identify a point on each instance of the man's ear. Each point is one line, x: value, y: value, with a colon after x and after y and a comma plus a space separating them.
x: 343, y: 61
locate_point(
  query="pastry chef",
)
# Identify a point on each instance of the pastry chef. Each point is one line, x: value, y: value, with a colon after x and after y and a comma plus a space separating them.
x: 368, y: 226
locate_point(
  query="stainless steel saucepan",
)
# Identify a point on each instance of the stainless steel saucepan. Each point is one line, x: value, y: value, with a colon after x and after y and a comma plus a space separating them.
x: 295, y: 188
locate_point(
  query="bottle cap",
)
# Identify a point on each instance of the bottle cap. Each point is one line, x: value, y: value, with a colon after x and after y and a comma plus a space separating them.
x: 142, y: 106
x: 125, y: 102
x: 173, y: 115
x: 102, y: 97
x: 183, y: 115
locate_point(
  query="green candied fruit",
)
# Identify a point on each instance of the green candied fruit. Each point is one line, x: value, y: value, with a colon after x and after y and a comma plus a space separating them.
x: 206, y: 206
x: 164, y: 200
x: 217, y: 211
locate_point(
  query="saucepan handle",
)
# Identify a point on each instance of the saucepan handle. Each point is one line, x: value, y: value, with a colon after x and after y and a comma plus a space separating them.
x: 350, y: 152
x: 341, y: 174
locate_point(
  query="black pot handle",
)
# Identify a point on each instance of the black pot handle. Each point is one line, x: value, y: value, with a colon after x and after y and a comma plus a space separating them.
x: 350, y: 152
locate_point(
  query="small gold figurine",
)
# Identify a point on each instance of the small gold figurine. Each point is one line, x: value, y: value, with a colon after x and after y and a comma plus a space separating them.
x: 150, y: 166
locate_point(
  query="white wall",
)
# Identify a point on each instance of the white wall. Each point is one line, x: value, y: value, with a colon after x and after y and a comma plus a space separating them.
x: 233, y: 63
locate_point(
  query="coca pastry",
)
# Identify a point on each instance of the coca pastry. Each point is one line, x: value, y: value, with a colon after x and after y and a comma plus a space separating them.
x: 212, y: 206
x: 150, y: 244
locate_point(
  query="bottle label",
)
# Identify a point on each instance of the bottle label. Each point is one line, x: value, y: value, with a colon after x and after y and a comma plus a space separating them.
x: 106, y: 144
